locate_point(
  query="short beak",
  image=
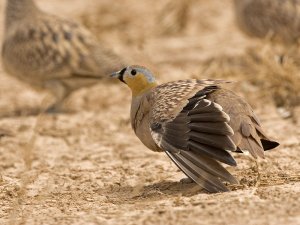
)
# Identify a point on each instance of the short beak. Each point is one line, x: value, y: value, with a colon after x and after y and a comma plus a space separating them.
x: 116, y: 74
x: 119, y: 75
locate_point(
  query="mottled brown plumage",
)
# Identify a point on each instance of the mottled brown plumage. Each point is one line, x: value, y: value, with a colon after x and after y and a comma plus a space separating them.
x: 50, y: 52
x: 276, y: 19
x: 196, y: 123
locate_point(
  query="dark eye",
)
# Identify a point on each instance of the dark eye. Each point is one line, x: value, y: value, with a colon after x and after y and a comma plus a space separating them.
x: 133, y: 72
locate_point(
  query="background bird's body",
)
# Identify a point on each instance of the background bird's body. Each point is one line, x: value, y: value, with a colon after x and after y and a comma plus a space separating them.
x: 50, y: 52
x: 276, y: 19
x: 196, y: 122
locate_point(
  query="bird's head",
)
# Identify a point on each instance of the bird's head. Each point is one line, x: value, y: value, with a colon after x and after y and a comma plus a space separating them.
x: 139, y: 79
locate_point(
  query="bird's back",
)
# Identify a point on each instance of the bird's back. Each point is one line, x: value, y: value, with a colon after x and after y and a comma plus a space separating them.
x: 248, y: 133
x: 42, y: 46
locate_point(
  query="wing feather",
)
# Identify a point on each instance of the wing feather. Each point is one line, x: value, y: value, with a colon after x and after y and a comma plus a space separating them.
x: 196, y: 138
x: 197, y: 123
x: 248, y: 134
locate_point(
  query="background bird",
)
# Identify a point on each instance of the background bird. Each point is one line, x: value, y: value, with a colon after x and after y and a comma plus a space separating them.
x: 52, y: 53
x: 276, y: 19
x: 196, y: 123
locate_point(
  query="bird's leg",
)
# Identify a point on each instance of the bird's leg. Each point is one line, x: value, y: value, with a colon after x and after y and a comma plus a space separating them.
x: 60, y: 91
x: 55, y: 108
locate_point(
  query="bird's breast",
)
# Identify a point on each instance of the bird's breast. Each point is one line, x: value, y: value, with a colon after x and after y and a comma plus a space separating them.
x: 140, y: 121
x: 142, y: 131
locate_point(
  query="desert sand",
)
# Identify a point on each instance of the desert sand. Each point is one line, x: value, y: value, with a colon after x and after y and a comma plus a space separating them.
x: 88, y: 167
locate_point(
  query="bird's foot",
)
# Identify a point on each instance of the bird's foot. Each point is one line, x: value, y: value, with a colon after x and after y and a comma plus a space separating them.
x: 53, y: 110
x: 186, y: 180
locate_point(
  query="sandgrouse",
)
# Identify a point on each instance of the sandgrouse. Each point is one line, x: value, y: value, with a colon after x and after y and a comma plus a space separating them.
x: 52, y: 53
x: 196, y: 123
x: 276, y: 19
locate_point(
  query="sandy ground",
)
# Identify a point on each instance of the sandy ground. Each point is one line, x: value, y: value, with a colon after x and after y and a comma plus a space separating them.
x: 89, y: 168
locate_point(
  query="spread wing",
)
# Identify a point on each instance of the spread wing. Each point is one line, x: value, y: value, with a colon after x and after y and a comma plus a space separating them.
x: 197, y: 136
x: 248, y: 133
x: 55, y: 48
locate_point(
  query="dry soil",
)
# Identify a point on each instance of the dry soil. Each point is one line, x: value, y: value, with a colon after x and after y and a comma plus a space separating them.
x: 87, y: 167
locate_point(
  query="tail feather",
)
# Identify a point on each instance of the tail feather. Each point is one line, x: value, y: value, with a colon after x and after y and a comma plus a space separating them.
x: 268, y: 145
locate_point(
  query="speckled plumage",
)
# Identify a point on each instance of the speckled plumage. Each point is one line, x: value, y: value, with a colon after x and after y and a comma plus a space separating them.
x: 277, y: 19
x: 196, y: 123
x: 170, y: 98
x: 50, y: 52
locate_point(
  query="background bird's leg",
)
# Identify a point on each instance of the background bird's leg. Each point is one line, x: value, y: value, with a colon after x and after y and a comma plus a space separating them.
x: 60, y: 92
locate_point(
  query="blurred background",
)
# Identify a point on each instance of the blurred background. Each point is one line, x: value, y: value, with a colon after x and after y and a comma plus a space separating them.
x: 88, y: 167
x: 179, y: 39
